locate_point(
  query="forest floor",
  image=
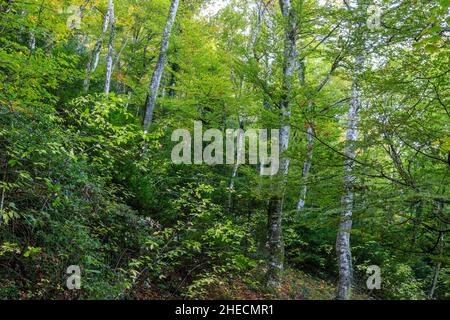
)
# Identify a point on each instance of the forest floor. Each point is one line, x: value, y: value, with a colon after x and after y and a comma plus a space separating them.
x: 297, y: 285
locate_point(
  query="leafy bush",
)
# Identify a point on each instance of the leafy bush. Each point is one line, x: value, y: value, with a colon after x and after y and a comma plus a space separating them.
x: 201, y: 248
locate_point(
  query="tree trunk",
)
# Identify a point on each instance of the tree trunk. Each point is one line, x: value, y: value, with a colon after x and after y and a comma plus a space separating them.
x: 309, y: 142
x: 437, y: 268
x: 343, y: 248
x: 93, y: 62
x: 117, y: 57
x: 32, y: 41
x: 157, y: 74
x: 173, y: 79
x: 275, y: 208
x: 240, y: 137
x: 255, y: 32
x: 310, y: 127
x: 109, y: 58
x: 239, y: 150
x: 306, y: 166
x: 268, y: 60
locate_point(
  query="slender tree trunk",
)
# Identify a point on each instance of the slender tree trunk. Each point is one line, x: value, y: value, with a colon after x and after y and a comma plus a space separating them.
x: 32, y: 41
x: 343, y: 248
x: 310, y: 127
x: 269, y: 59
x: 435, y: 280
x: 109, y: 58
x: 157, y: 74
x: 119, y: 54
x: 240, y: 137
x: 255, y: 32
x: 99, y: 43
x: 173, y: 79
x: 93, y: 62
x: 309, y: 142
x: 306, y: 167
x: 437, y: 268
x: 275, y: 208
x: 239, y: 150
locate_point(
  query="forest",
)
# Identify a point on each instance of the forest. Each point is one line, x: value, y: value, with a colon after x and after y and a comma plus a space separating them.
x: 224, y: 149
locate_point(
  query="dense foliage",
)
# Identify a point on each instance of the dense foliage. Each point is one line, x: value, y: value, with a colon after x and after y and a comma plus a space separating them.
x: 81, y: 182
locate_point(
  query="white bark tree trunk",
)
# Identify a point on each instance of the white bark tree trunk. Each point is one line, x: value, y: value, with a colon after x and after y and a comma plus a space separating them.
x: 269, y: 59
x: 310, y: 131
x: 275, y: 208
x: 93, y: 62
x: 157, y: 74
x: 239, y: 150
x: 306, y: 167
x: 240, y: 137
x: 109, y: 58
x: 309, y: 142
x: 343, y: 248
x: 32, y: 41
x: 117, y: 57
x: 255, y: 32
x: 437, y: 268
